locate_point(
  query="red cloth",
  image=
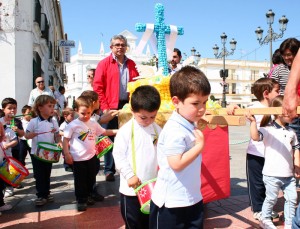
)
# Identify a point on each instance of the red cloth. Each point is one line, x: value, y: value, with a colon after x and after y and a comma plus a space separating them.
x: 215, y: 172
x: 107, y: 81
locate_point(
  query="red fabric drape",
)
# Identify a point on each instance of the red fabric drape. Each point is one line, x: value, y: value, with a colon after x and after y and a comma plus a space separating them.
x: 215, y: 172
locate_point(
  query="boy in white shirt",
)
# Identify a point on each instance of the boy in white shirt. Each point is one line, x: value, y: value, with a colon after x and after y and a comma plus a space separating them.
x: 134, y: 153
x: 176, y: 198
x: 265, y: 90
x: 68, y: 115
x: 81, y: 135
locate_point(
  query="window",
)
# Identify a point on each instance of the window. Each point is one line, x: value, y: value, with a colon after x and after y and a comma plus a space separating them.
x: 254, y: 75
x: 37, y: 12
x: 44, y: 26
x: 233, y: 88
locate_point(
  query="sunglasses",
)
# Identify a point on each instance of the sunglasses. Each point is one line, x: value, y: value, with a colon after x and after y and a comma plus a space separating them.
x: 40, y: 81
x: 119, y: 45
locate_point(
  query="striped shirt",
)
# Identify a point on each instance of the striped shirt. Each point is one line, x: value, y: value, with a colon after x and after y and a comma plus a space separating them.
x: 281, y: 75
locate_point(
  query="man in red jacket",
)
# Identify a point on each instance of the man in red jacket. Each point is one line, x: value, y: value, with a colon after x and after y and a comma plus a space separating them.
x: 110, y: 82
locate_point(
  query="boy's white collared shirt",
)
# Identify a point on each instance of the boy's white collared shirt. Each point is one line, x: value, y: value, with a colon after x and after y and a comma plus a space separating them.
x: 145, y: 153
x: 177, y: 189
x: 38, y: 125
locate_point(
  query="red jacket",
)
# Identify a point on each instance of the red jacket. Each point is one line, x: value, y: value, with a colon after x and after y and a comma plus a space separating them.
x: 107, y: 81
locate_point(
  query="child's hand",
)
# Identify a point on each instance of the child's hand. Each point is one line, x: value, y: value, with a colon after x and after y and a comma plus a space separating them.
x: 60, y: 145
x: 134, y: 182
x: 68, y: 159
x: 231, y: 108
x: 199, y: 136
x: 199, y: 139
x: 4, y: 146
x: 14, y: 128
x: 297, y: 171
x: 250, y: 117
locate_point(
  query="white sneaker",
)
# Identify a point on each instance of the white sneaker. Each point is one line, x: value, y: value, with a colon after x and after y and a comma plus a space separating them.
x: 9, y: 191
x: 257, y: 215
x: 5, y: 207
x: 267, y: 224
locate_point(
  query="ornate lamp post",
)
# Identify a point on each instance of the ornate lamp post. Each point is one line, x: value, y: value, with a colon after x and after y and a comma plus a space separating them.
x: 271, y: 36
x: 196, y: 56
x: 223, y: 54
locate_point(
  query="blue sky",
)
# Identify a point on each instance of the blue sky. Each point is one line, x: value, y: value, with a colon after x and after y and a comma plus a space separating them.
x: 96, y: 21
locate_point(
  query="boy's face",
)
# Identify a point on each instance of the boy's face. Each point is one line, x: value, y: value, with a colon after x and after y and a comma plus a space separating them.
x: 10, y: 110
x: 192, y: 108
x: 27, y: 117
x: 144, y: 118
x: 274, y: 93
x: 84, y: 113
x: 46, y: 110
x: 69, y: 117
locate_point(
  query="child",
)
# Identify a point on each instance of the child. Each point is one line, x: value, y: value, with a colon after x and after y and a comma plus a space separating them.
x: 24, y: 145
x: 10, y: 140
x: 68, y: 116
x: 176, y: 198
x: 135, y: 153
x: 81, y: 135
x: 9, y: 106
x: 265, y: 90
x: 44, y: 108
x: 3, y: 206
x: 282, y: 161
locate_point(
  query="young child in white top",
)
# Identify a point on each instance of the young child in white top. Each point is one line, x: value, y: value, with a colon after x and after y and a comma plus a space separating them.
x: 265, y: 90
x: 68, y: 115
x: 9, y: 140
x: 25, y: 145
x: 43, y: 129
x: 282, y: 162
x: 134, y: 153
x: 79, y: 149
x: 176, y: 198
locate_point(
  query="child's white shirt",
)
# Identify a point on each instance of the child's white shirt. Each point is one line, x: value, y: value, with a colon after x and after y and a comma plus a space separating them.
x: 256, y: 148
x: 39, y: 125
x: 83, y: 136
x: 177, y: 189
x: 10, y: 136
x: 145, y: 139
x: 279, y: 144
x: 24, y: 124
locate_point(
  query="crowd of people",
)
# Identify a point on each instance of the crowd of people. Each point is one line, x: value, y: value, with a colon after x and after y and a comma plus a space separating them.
x: 143, y: 151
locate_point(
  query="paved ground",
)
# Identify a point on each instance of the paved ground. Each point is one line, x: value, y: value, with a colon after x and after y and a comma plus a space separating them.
x: 233, y: 212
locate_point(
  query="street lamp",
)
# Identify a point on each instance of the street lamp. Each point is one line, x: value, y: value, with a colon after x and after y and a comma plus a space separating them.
x: 196, y: 56
x: 223, y: 54
x: 271, y: 36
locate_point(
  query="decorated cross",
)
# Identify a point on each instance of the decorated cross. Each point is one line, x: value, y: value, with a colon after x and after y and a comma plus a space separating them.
x: 160, y: 30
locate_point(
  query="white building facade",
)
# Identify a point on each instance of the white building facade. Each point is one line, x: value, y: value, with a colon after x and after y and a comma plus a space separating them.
x: 29, y: 35
x: 241, y: 75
